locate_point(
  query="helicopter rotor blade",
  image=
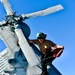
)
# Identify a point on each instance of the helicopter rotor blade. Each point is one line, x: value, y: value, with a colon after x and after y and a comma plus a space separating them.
x: 3, y: 23
x: 44, y: 12
x: 7, y: 7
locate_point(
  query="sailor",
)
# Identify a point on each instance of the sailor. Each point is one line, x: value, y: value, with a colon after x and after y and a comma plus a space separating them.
x: 47, y: 47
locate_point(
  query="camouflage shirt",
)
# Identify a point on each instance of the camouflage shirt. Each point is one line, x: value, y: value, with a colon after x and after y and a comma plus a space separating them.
x: 45, y: 47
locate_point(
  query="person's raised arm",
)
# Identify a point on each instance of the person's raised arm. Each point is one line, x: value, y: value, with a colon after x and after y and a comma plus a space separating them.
x: 33, y: 41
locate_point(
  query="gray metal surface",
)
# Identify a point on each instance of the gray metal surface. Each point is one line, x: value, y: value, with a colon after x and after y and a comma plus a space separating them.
x: 45, y: 11
x: 7, y: 7
x: 27, y: 50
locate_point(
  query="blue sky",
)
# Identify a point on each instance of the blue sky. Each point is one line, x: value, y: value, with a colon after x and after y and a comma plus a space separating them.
x: 59, y: 27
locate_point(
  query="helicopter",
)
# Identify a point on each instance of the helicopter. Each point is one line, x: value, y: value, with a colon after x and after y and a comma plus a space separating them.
x: 19, y: 59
